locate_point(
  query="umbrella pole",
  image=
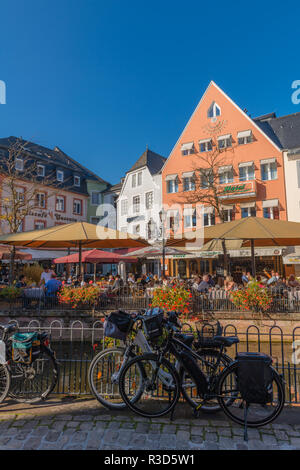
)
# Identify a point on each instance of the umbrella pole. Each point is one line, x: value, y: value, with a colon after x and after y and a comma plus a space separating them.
x: 95, y: 266
x: 80, y: 258
x: 253, y: 259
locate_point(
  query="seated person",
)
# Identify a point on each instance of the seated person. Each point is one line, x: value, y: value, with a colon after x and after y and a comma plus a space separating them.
x: 21, y: 282
x: 52, y: 286
x: 204, y: 285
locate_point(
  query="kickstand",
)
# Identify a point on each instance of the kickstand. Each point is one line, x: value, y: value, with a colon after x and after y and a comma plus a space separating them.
x: 245, y: 420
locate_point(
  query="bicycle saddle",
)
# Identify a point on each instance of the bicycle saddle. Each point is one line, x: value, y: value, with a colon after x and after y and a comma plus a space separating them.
x: 8, y: 328
x: 186, y: 339
x: 226, y: 340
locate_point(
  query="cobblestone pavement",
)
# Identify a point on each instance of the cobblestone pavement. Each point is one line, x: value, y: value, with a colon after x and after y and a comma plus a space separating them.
x: 84, y: 424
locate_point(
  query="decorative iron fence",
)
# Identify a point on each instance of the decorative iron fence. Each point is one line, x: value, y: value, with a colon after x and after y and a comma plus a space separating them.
x: 75, y: 347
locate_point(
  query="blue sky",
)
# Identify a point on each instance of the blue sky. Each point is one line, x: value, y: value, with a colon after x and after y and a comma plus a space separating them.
x: 102, y: 79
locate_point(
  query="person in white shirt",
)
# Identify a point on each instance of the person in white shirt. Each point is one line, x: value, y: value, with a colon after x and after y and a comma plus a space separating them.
x: 46, y: 275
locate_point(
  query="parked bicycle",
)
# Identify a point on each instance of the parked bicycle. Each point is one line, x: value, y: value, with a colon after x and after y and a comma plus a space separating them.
x: 28, y: 368
x: 249, y: 390
x: 138, y: 335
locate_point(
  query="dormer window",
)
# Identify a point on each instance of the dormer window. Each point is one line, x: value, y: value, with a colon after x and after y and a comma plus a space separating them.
x: 214, y: 110
x: 244, y: 137
x: 19, y: 164
x: 77, y: 181
x: 60, y: 175
x: 40, y: 170
x: 187, y: 149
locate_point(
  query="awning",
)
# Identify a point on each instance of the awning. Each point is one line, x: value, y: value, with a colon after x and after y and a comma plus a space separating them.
x: 222, y: 169
x: 244, y: 134
x: 189, y: 211
x: 187, y: 146
x: 188, y: 174
x: 244, y: 164
x: 208, y: 210
x: 268, y: 160
x: 171, y: 177
x: 270, y: 203
x: 226, y: 136
x: 247, y: 204
x: 203, y: 141
x: 227, y: 208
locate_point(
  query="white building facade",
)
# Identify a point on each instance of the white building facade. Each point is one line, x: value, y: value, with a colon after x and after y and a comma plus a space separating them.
x: 140, y: 200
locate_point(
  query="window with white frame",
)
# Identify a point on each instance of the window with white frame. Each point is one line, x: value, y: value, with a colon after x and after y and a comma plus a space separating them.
x: 214, y: 110
x: 173, y: 220
x: 224, y: 141
x: 245, y: 137
x: 206, y: 178
x: 190, y: 218
x: 136, y: 204
x: 39, y: 225
x: 172, y: 184
x: 209, y: 217
x: 246, y: 171
x: 96, y: 198
x: 133, y: 181
x: 226, y: 174
x: 228, y: 213
x: 205, y: 145
x: 20, y: 194
x: 248, y: 210
x: 188, y: 149
x: 271, y: 209
x: 149, y: 200
x: 76, y: 180
x: 77, y: 207
x: 19, y: 164
x: 40, y: 200
x: 59, y: 175
x: 139, y: 178
x: 124, y: 207
x: 40, y: 170
x: 188, y: 181
x: 60, y: 204
x: 268, y: 169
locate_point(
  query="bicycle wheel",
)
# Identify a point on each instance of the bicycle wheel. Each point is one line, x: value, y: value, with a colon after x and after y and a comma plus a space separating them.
x: 34, y: 382
x: 103, y: 378
x: 4, y: 382
x: 158, y: 386
x: 258, y: 415
x: 189, y: 389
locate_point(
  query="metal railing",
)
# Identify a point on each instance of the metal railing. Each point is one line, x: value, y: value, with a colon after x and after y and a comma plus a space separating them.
x: 76, y: 346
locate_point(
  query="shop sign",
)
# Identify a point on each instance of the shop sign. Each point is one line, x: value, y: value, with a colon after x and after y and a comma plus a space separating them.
x: 291, y: 260
x: 238, y: 190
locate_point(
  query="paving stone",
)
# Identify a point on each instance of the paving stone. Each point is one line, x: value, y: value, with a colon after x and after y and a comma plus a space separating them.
x: 72, y: 424
x: 64, y: 417
x: 211, y: 437
x: 125, y: 438
x: 295, y: 442
x: 4, y: 440
x: 137, y: 441
x: 114, y: 425
x: 22, y: 435
x: 52, y: 436
x: 58, y: 425
x: 242, y: 446
x: 169, y: 429
x: 167, y: 441
x: 94, y: 440
x: 110, y: 436
x: 196, y: 439
x: 269, y: 440
x: 211, y: 446
x: 182, y: 435
x: 14, y: 444
x: 126, y: 425
x: 197, y: 431
x: 155, y: 427
x: 86, y: 426
x: 226, y: 443
x: 32, y: 443
x: 224, y: 432
x: 79, y: 436
x: 102, y: 418
x: 281, y: 435
x: 83, y: 418
x: 40, y: 431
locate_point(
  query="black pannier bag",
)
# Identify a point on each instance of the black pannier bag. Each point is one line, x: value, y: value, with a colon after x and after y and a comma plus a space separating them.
x: 117, y: 325
x: 191, y: 367
x: 153, y: 323
x: 254, y: 377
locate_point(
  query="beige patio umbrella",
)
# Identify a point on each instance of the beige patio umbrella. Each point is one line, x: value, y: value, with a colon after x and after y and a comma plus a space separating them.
x: 252, y: 231
x: 78, y: 234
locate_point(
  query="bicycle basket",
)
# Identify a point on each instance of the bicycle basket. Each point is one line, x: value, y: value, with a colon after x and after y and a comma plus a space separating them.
x: 153, y: 324
x: 206, y: 333
x: 254, y: 377
x: 25, y: 347
x: 117, y: 325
